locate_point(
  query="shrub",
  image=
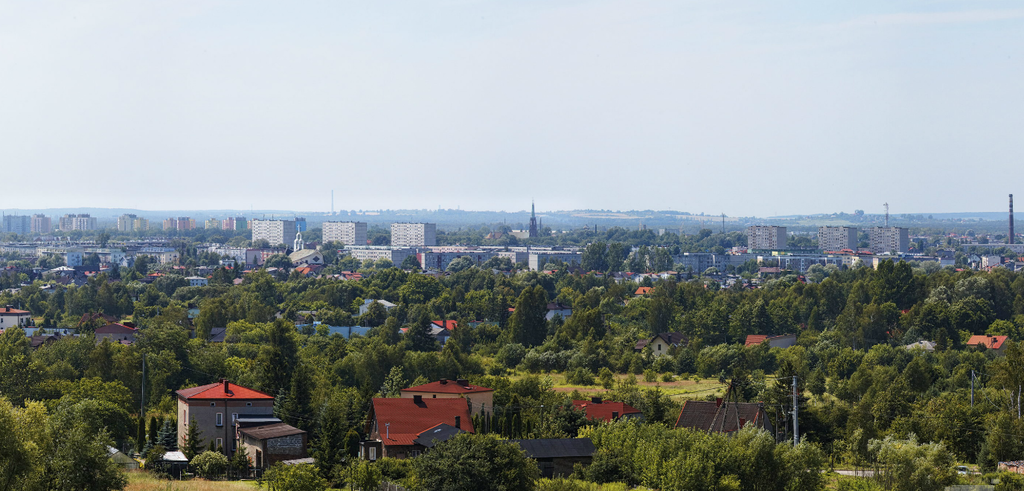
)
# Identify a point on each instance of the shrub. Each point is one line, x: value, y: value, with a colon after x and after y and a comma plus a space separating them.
x: 209, y: 464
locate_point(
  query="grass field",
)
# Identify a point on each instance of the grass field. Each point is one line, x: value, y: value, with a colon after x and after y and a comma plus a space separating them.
x: 142, y: 481
x: 678, y: 389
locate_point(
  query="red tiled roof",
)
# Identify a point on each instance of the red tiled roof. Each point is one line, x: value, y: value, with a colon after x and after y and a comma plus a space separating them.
x: 644, y: 290
x: 401, y: 420
x: 990, y: 342
x: 711, y: 416
x: 9, y: 311
x: 603, y: 410
x: 216, y: 391
x: 449, y: 325
x: 755, y: 339
x: 445, y: 386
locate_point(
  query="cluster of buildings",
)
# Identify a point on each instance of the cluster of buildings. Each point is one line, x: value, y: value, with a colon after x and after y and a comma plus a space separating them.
x: 881, y: 240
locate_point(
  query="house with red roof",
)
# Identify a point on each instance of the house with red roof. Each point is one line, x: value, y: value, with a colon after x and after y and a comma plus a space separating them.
x: 997, y: 343
x: 601, y: 410
x: 780, y: 341
x: 481, y: 399
x: 216, y: 407
x: 10, y: 317
x: 643, y: 290
x: 719, y: 416
x: 449, y: 325
x: 116, y: 333
x: 404, y: 427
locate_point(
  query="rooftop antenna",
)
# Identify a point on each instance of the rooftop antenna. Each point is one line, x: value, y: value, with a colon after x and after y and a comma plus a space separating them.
x: 886, y: 215
x: 723, y: 223
x: 1011, y: 219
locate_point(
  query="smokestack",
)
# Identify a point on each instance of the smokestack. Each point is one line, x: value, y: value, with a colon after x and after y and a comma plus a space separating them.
x: 1011, y: 218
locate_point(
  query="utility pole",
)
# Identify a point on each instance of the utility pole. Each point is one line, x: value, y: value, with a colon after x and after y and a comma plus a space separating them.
x: 972, y: 388
x: 796, y: 409
x: 142, y: 401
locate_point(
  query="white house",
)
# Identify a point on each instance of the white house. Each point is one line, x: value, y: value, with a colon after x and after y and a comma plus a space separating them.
x: 197, y: 281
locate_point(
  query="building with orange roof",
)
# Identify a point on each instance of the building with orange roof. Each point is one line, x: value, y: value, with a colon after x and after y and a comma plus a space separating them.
x: 404, y: 427
x: 601, y: 410
x: 997, y: 343
x: 643, y: 290
x: 10, y: 317
x: 480, y: 398
x: 216, y: 407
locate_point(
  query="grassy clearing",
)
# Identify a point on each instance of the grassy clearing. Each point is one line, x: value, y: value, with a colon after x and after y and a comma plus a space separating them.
x: 143, y: 481
x: 678, y: 389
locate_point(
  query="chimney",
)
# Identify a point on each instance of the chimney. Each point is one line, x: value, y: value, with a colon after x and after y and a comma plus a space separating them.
x: 417, y: 399
x: 615, y: 415
x: 595, y: 400
x: 458, y: 422
x: 1011, y: 218
x: 444, y: 381
x: 463, y: 382
x: 718, y: 402
x: 225, y: 382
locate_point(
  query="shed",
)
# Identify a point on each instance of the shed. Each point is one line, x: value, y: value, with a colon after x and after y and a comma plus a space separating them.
x: 123, y: 461
x: 268, y: 444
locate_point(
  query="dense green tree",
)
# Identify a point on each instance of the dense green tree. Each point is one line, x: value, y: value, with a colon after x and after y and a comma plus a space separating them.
x: 473, y: 462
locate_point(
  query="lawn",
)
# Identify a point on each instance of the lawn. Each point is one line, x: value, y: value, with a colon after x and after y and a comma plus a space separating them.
x: 143, y: 481
x: 678, y: 389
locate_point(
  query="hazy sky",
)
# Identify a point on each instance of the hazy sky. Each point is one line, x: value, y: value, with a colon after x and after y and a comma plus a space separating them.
x: 741, y: 107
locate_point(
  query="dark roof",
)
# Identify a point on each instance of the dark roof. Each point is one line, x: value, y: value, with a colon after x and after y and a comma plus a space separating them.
x: 267, y: 432
x: 719, y: 416
x: 116, y: 329
x: 439, y: 433
x: 552, y: 448
x: 217, y: 334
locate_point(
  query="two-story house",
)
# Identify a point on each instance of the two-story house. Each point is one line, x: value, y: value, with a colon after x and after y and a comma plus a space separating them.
x: 480, y: 398
x: 215, y: 408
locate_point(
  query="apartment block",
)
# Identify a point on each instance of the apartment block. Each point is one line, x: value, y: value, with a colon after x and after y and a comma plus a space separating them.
x: 77, y: 222
x: 234, y: 223
x: 213, y: 224
x: 180, y: 223
x: 766, y: 237
x: 274, y: 231
x: 17, y: 224
x: 413, y: 234
x: 888, y: 239
x: 837, y: 238
x: 348, y: 233
x: 131, y: 223
x: 41, y: 224
x: 395, y: 254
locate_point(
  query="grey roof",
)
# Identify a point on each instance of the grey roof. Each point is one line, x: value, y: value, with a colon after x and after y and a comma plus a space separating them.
x: 553, y: 448
x: 217, y: 334
x: 175, y: 456
x: 276, y: 430
x: 439, y: 433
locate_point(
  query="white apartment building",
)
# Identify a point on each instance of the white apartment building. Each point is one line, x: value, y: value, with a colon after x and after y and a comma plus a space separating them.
x: 274, y: 231
x: 395, y: 254
x: 888, y: 239
x: 539, y: 259
x: 77, y: 222
x: 413, y: 234
x: 348, y: 233
x: 766, y: 237
x: 837, y: 238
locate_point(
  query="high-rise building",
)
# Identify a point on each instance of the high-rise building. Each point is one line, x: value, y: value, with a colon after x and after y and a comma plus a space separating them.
x: 413, y: 234
x: 41, y: 224
x: 888, y: 239
x: 17, y: 224
x: 300, y: 224
x: 766, y: 237
x: 234, y: 223
x: 80, y: 221
x: 837, y: 238
x: 131, y: 223
x: 180, y: 223
x: 348, y: 233
x: 213, y: 224
x: 274, y: 231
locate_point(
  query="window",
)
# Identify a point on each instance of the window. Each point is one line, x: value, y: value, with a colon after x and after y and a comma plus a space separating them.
x: 220, y: 443
x: 213, y: 404
x: 234, y: 445
x: 373, y: 453
x: 248, y: 404
x: 220, y: 419
x: 234, y: 418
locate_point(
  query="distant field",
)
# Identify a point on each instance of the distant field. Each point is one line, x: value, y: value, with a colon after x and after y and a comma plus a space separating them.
x: 678, y: 389
x: 141, y: 481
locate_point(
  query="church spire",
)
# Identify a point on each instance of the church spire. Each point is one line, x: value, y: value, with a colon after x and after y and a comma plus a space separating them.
x: 299, y: 244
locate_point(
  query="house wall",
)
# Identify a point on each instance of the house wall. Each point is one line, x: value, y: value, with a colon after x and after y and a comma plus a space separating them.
x: 205, y: 414
x: 265, y: 453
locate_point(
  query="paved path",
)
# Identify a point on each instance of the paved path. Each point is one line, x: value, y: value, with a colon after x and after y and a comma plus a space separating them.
x: 860, y: 473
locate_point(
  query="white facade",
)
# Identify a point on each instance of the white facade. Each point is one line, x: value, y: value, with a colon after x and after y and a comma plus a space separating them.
x: 197, y: 281
x: 395, y: 254
x: 539, y: 259
x: 837, y: 238
x: 348, y: 233
x: 274, y: 231
x: 766, y: 237
x: 77, y: 222
x: 888, y: 239
x: 413, y: 234
x: 17, y: 224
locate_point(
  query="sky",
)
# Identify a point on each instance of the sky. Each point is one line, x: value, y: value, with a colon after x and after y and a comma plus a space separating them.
x: 748, y: 108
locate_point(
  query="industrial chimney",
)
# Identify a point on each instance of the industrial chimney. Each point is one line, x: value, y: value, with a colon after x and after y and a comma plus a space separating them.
x: 1011, y: 219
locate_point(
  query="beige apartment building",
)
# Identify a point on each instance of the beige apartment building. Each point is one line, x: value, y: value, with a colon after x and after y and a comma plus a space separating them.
x: 348, y: 233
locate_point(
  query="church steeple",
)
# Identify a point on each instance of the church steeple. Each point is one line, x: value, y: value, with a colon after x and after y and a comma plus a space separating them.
x: 533, y: 219
x: 299, y: 244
